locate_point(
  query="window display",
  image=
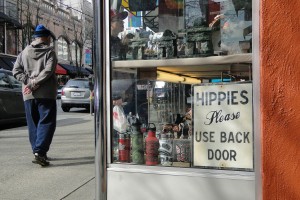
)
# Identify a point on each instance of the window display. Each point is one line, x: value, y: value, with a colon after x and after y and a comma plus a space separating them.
x: 2, y: 46
x: 161, y: 50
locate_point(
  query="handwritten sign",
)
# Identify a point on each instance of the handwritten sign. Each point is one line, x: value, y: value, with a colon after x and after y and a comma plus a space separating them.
x: 223, y: 129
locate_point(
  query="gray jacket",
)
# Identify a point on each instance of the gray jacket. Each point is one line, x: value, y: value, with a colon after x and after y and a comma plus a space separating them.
x: 36, y: 65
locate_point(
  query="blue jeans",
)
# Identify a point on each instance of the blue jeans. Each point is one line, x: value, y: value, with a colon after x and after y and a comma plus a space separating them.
x: 41, y: 122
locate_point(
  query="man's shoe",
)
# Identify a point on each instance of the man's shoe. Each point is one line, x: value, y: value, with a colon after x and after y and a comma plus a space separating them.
x: 41, y: 160
x: 47, y: 158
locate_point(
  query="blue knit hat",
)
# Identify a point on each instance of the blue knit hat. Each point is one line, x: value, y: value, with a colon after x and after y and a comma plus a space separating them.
x: 41, y: 31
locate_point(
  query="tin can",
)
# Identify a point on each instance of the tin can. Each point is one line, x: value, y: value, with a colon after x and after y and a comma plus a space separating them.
x: 124, y: 147
x: 165, y: 150
x: 182, y: 150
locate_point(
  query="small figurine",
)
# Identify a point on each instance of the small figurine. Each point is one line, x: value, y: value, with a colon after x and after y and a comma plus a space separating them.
x: 167, y: 46
x: 199, y: 39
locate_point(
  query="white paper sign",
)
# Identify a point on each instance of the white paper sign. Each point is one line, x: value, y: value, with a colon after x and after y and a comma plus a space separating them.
x: 223, y: 126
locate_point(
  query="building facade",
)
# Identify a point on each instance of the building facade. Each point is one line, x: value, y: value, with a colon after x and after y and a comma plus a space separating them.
x: 71, y: 27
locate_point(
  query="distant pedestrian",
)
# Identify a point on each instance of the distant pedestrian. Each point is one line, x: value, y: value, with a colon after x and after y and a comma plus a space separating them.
x: 116, y: 27
x: 35, y: 68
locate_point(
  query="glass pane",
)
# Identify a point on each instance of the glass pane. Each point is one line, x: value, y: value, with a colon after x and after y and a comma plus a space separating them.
x: 75, y: 52
x: 174, y: 29
x: 2, y: 6
x: 11, y: 10
x: 160, y: 50
x: 11, y: 41
x: 78, y: 83
x: 62, y: 49
x: 2, y: 39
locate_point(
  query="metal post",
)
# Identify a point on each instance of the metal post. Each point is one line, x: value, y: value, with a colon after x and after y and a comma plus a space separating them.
x: 100, y: 95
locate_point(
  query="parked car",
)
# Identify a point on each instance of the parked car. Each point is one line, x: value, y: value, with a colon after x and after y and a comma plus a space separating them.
x: 11, y: 99
x: 59, y: 88
x: 76, y: 94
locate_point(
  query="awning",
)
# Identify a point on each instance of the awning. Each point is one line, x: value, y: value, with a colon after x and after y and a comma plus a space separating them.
x: 89, y: 70
x: 7, y: 62
x: 12, y: 22
x: 72, y: 70
x: 59, y: 70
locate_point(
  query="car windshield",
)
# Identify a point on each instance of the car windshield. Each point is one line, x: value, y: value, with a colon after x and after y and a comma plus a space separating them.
x: 78, y: 83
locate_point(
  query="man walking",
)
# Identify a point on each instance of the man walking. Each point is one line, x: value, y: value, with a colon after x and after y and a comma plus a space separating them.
x: 35, y: 68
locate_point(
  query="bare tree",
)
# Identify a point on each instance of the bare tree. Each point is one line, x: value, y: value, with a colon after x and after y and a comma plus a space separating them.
x: 83, y: 30
x: 30, y: 12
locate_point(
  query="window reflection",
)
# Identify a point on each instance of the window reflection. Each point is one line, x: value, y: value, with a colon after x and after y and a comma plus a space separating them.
x: 11, y: 41
x: 172, y: 32
x: 75, y: 52
x: 62, y: 52
x: 2, y: 42
x: 181, y: 29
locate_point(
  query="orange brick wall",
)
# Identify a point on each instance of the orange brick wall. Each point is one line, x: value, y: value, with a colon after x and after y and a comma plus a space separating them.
x: 280, y: 98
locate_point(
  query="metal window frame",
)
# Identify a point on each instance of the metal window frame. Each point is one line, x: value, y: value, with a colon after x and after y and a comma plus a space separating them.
x: 102, y: 104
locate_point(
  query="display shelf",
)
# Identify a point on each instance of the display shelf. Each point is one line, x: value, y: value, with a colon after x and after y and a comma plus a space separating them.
x: 199, y: 61
x: 201, y: 67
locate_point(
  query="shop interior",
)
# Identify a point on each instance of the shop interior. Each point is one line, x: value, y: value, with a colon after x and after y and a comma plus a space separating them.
x: 179, y: 44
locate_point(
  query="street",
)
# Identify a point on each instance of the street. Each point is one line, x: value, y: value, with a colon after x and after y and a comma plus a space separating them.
x: 60, y: 114
x: 71, y: 174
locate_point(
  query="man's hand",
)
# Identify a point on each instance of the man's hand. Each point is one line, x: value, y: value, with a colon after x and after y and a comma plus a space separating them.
x: 35, y: 87
x: 27, y: 90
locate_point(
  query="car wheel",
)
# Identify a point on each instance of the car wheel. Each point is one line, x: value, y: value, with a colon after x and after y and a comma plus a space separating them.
x: 65, y: 108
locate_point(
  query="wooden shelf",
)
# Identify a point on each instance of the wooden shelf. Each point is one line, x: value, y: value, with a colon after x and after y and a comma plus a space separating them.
x: 177, y: 62
x: 200, y: 67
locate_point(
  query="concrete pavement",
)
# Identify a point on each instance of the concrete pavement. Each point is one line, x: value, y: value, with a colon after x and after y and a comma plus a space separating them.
x: 71, y: 174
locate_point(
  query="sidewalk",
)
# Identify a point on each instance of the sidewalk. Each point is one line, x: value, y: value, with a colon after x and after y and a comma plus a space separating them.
x: 71, y: 174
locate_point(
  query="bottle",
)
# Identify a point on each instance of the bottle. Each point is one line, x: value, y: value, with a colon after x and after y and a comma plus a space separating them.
x: 152, y: 145
x: 115, y: 144
x: 128, y: 145
x: 137, y: 144
x: 145, y: 134
x: 124, y: 147
x: 166, y: 149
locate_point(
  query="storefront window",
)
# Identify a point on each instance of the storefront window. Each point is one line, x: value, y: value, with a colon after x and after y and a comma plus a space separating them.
x: 2, y: 6
x: 75, y: 52
x: 62, y: 49
x: 11, y: 41
x: 170, y: 103
x: 11, y: 10
x: 2, y: 39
